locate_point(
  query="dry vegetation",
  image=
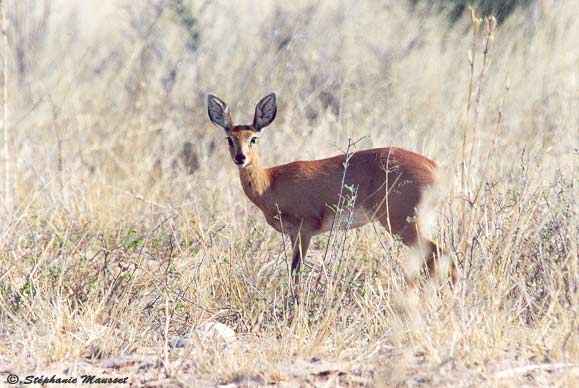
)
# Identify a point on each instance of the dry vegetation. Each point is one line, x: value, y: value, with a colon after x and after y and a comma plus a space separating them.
x: 129, y: 226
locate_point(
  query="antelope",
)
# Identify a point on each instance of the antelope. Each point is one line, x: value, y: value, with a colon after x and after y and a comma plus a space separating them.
x: 297, y: 198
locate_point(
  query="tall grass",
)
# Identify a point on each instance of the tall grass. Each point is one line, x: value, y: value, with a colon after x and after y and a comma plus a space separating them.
x: 119, y: 241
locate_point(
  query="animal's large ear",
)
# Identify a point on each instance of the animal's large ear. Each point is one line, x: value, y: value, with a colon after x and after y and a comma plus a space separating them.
x: 219, y: 113
x: 265, y: 112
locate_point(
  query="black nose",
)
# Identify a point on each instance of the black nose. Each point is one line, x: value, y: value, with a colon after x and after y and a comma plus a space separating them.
x: 239, y: 159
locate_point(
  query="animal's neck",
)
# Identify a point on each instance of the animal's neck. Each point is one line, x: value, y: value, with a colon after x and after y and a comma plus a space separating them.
x: 255, y: 180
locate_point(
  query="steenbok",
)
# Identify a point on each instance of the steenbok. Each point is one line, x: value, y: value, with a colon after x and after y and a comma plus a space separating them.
x: 299, y: 198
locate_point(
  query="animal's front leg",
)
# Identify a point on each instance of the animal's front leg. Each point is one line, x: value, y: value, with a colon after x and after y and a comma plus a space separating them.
x: 300, y: 243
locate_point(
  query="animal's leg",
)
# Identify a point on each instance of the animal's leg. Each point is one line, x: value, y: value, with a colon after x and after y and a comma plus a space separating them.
x: 300, y: 243
x: 411, y: 236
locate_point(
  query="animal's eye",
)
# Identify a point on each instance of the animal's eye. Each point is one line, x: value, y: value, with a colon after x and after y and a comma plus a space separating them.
x: 230, y: 142
x: 253, y: 141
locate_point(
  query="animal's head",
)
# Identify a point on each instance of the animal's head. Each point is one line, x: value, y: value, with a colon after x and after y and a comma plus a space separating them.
x: 242, y: 139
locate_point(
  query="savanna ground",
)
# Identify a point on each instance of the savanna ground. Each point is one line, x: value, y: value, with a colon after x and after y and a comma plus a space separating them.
x: 125, y: 225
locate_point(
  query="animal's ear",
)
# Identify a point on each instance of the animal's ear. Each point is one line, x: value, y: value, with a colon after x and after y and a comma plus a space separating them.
x: 219, y: 113
x: 265, y: 112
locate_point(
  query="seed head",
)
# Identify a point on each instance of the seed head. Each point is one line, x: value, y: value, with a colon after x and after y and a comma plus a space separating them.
x: 477, y: 23
x: 493, y: 23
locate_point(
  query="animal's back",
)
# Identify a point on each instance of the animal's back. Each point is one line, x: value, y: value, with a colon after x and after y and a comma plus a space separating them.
x: 365, y: 168
x: 382, y: 177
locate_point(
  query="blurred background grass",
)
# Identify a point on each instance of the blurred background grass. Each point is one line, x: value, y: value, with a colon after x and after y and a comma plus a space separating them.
x: 111, y: 92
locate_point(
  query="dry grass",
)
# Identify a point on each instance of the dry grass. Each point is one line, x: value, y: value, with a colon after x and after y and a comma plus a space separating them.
x: 115, y: 247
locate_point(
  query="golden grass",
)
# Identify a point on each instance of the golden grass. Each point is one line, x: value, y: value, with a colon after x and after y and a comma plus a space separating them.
x: 113, y: 249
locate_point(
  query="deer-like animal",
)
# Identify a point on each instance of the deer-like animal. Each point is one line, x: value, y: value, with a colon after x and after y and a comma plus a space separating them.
x: 299, y: 198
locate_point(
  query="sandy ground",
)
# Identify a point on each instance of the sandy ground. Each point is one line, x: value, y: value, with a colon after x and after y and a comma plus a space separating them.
x: 388, y: 368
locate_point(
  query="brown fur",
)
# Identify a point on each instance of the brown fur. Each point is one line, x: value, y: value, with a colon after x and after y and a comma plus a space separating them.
x: 389, y: 181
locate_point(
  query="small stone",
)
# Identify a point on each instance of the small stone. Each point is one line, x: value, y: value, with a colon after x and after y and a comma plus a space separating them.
x: 216, y: 330
x: 207, y: 331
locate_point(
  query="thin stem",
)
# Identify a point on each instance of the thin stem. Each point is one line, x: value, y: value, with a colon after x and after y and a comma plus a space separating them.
x: 339, y: 206
x: 487, y: 47
x: 8, y: 198
x: 472, y: 59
